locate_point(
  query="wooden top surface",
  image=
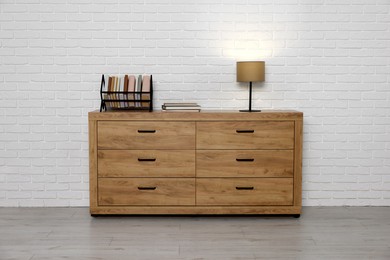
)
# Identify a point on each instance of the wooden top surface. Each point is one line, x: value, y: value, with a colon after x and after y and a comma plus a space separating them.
x: 204, y: 115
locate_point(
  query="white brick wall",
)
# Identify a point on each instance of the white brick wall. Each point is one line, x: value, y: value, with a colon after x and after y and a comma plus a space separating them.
x: 327, y: 58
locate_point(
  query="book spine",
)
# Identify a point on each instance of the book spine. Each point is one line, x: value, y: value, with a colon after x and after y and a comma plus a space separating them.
x: 109, y: 89
x: 116, y: 90
x: 125, y: 89
x: 113, y: 95
x: 131, y: 89
x: 138, y: 89
x: 145, y: 88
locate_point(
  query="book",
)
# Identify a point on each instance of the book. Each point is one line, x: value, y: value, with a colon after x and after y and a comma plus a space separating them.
x: 125, y: 89
x: 114, y: 88
x: 180, y: 104
x: 120, y: 104
x: 126, y: 83
x: 138, y: 89
x: 117, y: 104
x: 181, y: 108
x: 131, y: 88
x: 145, y: 88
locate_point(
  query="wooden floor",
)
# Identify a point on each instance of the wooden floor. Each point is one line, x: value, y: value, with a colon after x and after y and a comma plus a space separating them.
x: 71, y: 233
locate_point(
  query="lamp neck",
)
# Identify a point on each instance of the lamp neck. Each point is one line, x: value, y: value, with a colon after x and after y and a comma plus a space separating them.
x: 250, y: 96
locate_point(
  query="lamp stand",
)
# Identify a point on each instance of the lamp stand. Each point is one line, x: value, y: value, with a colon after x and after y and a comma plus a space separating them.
x: 250, y: 100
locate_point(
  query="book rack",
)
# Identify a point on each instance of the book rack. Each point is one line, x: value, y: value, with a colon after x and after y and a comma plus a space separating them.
x: 130, y: 100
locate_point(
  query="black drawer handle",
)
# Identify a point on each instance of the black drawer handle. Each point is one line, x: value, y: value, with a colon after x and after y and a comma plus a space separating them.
x: 146, y: 159
x: 147, y: 188
x: 244, y: 188
x: 245, y: 160
x: 146, y: 131
x: 245, y: 131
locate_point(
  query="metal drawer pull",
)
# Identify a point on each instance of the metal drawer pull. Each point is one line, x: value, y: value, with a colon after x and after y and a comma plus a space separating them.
x: 244, y: 188
x: 147, y: 131
x: 146, y: 159
x: 245, y: 131
x: 147, y: 188
x: 245, y: 160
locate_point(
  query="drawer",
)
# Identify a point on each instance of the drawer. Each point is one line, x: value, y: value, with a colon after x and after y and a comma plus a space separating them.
x: 245, y: 163
x: 244, y: 191
x: 146, y: 191
x: 146, y: 163
x: 245, y: 135
x: 146, y: 135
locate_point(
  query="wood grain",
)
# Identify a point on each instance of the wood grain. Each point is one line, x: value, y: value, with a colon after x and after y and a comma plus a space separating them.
x: 275, y: 145
x: 146, y: 191
x: 238, y: 163
x: 298, y: 163
x: 140, y: 135
x: 146, y: 163
x: 204, y: 115
x: 92, y: 129
x: 244, y: 191
x: 69, y: 233
x: 224, y: 135
x: 198, y: 210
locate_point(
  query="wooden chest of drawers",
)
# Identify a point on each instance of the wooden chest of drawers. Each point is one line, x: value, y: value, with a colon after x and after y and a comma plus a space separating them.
x: 195, y: 163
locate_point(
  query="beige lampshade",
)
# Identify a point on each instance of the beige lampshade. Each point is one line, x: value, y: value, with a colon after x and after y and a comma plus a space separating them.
x: 250, y: 71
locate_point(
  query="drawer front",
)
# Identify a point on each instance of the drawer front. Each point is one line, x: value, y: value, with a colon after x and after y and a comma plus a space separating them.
x: 146, y: 163
x: 146, y: 191
x: 244, y: 163
x: 244, y: 191
x: 245, y: 135
x: 146, y: 135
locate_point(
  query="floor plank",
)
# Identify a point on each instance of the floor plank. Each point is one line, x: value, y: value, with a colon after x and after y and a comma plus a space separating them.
x: 71, y: 233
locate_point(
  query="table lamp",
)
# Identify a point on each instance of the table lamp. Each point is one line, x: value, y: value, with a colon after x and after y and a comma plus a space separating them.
x: 250, y: 71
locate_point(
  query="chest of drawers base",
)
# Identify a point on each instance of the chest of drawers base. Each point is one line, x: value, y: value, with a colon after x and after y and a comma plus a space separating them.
x: 195, y: 163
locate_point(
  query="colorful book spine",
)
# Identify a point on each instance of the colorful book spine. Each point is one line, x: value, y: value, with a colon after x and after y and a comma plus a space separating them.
x: 126, y: 91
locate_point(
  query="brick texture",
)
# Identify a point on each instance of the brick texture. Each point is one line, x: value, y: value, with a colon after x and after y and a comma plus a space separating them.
x: 329, y: 59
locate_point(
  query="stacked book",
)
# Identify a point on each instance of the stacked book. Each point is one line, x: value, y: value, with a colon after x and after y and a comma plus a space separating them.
x: 181, y: 107
x: 126, y: 91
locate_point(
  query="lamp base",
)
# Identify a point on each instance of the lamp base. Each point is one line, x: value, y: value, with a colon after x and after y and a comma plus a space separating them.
x: 245, y: 110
